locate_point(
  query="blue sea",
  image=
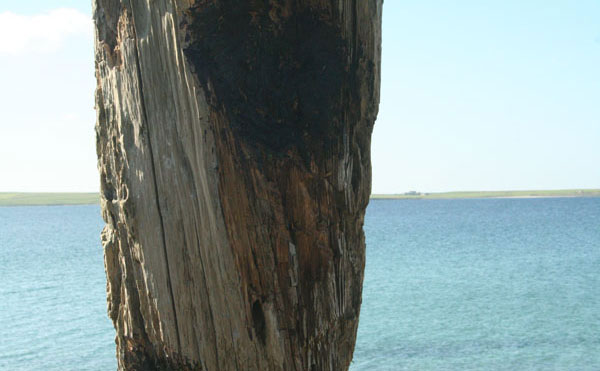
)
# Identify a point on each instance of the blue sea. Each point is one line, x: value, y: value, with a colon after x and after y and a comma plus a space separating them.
x: 481, y: 284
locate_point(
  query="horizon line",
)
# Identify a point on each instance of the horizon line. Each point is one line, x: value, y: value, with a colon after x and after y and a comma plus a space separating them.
x: 387, y: 194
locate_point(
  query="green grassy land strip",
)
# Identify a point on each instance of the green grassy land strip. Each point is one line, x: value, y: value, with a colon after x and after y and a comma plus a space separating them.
x: 493, y: 194
x: 46, y: 199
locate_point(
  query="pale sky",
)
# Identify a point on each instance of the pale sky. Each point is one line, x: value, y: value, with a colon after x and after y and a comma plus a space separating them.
x: 476, y: 95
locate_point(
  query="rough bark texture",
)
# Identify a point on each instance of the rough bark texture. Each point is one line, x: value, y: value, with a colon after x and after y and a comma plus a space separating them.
x: 233, y: 140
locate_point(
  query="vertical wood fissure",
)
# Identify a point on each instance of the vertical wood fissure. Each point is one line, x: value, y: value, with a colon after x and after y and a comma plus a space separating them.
x: 154, y: 179
x: 210, y: 310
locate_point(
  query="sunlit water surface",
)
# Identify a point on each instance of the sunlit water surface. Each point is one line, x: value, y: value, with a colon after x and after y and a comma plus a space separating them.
x: 495, y: 284
x: 502, y: 284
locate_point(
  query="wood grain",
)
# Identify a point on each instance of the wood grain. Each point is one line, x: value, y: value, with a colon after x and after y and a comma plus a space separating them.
x: 234, y: 150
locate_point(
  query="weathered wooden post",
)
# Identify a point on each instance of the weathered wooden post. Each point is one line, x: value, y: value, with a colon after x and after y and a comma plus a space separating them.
x: 233, y: 140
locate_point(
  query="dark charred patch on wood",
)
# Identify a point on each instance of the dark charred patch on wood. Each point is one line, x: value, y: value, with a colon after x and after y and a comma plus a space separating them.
x: 277, y: 81
x: 141, y: 356
x: 106, y: 18
x: 258, y: 319
x: 107, y: 190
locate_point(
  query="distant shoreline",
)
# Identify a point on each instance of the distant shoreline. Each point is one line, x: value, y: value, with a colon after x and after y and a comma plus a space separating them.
x: 491, y: 194
x: 65, y: 199
x: 541, y: 196
x: 48, y: 199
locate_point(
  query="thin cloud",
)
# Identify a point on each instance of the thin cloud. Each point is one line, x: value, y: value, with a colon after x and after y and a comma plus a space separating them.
x: 41, y: 33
